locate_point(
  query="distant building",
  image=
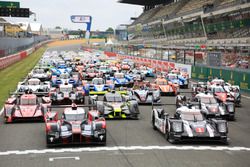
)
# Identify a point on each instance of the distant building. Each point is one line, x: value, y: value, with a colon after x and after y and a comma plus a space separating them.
x: 36, y: 28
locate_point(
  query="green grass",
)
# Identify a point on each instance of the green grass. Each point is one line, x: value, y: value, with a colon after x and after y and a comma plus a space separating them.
x: 9, y: 77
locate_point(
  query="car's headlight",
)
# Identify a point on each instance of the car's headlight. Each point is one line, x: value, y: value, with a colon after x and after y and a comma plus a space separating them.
x: 230, y: 108
x: 222, y: 127
x: 177, y: 126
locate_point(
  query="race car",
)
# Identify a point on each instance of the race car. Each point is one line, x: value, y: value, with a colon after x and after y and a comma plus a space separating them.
x: 136, y: 75
x: 234, y: 91
x: 188, y: 124
x: 60, y: 69
x: 76, y: 126
x: 165, y: 87
x: 143, y: 94
x: 65, y: 78
x: 179, y: 80
x: 120, y: 79
x: 148, y: 72
x: 66, y: 93
x: 199, y: 87
x: 90, y: 73
x: 104, y: 70
x: 115, y: 105
x: 35, y: 85
x: 98, y: 87
x: 43, y: 74
x: 125, y: 66
x: 221, y: 94
x: 209, y: 106
x: 25, y: 107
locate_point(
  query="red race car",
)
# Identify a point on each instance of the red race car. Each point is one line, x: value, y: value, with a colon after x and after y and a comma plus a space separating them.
x: 25, y: 108
x: 76, y: 126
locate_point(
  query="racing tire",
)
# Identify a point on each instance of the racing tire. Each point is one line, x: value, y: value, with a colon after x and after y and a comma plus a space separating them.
x: 153, y: 122
x: 170, y: 139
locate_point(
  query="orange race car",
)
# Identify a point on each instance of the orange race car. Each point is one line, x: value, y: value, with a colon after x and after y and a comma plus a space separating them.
x: 165, y: 87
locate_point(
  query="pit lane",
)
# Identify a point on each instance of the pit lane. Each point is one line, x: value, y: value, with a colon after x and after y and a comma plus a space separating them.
x: 127, y: 133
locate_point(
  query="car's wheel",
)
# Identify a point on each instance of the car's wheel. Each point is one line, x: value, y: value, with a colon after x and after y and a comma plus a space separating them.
x: 170, y: 139
x: 153, y: 122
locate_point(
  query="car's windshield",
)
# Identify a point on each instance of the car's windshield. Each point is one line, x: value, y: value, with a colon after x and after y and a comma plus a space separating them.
x: 66, y: 89
x: 208, y: 100
x: 161, y: 82
x: 219, y: 90
x: 192, y: 117
x: 114, y: 98
x: 39, y: 71
x: 120, y: 75
x: 97, y: 81
x: 28, y: 101
x: 91, y: 70
x: 172, y: 77
x: 34, y: 82
x: 64, y: 76
x: 74, y: 117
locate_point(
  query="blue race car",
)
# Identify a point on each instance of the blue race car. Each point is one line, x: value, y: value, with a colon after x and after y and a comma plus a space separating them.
x: 120, y: 79
x: 65, y: 79
x: 175, y: 79
x: 60, y: 69
x: 98, y: 87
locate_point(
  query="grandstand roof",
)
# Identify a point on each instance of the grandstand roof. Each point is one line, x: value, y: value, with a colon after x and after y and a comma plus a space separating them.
x: 145, y: 2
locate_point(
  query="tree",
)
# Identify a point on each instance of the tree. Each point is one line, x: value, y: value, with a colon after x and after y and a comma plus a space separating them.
x: 111, y: 30
x: 58, y: 27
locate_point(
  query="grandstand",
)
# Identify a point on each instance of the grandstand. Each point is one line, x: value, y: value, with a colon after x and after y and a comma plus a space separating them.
x: 219, y: 26
x: 199, y: 20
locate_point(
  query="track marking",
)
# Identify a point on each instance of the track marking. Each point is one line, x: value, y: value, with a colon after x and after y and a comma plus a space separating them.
x: 247, y: 97
x: 60, y: 158
x: 125, y: 148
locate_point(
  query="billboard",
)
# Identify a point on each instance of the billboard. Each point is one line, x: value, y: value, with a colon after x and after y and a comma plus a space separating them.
x: 81, y: 19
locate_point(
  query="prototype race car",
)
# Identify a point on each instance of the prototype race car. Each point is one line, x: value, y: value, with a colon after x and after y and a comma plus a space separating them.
x: 209, y: 106
x: 148, y: 72
x: 98, y: 86
x: 65, y: 78
x: 65, y: 94
x: 60, y: 69
x: 120, y: 79
x: 26, y: 107
x: 43, y: 74
x: 175, y: 79
x: 115, y: 105
x: 165, y: 87
x: 90, y: 74
x: 35, y: 85
x: 188, y: 124
x: 143, y: 94
x: 76, y: 126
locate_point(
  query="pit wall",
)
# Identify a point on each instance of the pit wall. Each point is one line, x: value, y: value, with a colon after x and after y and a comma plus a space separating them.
x: 241, y: 78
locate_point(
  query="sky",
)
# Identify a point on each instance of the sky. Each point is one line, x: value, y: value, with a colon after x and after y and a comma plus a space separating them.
x: 105, y: 13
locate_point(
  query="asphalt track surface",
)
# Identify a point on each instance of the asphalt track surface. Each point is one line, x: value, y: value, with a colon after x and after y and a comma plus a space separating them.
x: 130, y: 143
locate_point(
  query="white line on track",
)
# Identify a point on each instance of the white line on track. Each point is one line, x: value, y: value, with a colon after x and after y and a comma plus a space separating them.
x: 126, y: 148
x: 61, y: 158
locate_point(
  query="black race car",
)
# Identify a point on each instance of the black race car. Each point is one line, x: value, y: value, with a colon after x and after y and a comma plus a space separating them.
x: 188, y: 124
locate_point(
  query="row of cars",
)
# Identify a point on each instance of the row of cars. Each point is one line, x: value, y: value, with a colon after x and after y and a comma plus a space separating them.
x: 203, y: 116
x: 75, y: 81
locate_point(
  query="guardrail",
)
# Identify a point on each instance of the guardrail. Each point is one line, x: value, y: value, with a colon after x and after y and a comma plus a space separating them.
x: 11, y: 59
